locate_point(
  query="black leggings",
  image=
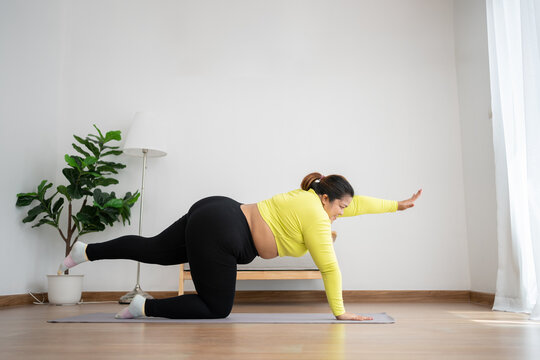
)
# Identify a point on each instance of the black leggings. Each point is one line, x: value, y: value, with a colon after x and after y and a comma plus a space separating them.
x: 213, y: 237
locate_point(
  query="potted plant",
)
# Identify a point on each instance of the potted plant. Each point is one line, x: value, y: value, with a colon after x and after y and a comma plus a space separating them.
x: 86, y: 174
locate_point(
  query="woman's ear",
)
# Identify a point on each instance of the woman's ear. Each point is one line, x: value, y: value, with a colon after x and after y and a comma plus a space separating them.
x: 325, y: 199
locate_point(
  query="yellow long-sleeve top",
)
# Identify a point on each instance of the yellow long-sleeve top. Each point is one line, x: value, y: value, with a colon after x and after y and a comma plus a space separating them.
x: 300, y: 223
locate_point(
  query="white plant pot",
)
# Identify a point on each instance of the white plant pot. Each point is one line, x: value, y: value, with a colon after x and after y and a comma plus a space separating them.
x: 65, y: 289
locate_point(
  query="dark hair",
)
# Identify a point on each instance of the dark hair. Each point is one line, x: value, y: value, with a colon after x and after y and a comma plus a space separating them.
x: 335, y: 186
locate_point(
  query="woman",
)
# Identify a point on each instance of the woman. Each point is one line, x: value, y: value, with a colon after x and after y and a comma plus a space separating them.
x: 218, y: 233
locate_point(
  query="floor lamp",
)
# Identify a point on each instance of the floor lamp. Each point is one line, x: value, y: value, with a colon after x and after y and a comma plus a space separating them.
x: 144, y: 139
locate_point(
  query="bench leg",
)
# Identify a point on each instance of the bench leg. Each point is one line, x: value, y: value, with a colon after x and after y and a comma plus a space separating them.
x: 181, y: 280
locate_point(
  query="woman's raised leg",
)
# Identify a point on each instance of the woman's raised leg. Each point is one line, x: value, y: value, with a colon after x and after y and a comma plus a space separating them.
x: 166, y: 248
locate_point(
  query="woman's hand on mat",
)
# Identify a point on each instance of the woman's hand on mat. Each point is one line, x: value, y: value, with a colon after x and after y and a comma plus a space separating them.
x: 351, y: 316
x: 409, y: 203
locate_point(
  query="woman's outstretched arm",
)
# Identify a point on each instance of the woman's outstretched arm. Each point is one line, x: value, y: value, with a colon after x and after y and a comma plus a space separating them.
x: 361, y: 205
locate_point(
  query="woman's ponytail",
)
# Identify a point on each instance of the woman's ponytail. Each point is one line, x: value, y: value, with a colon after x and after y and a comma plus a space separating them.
x: 309, y: 180
x: 335, y: 186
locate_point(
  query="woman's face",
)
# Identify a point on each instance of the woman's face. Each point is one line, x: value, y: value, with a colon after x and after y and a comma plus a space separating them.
x: 335, y: 208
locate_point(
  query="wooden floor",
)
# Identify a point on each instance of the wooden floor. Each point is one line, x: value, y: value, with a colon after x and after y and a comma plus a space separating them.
x: 421, y: 331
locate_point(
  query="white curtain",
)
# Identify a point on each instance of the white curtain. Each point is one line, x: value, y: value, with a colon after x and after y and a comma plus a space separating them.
x: 514, y: 56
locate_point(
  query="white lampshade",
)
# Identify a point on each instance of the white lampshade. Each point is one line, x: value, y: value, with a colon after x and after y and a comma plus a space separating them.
x: 146, y: 132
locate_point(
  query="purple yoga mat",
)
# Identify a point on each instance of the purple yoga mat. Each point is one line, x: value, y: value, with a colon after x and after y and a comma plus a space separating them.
x: 265, y: 318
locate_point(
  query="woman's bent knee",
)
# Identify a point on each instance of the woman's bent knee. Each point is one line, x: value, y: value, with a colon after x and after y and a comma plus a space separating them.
x: 220, y: 313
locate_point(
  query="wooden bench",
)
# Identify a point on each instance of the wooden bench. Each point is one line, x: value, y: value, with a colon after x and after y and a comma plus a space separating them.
x: 258, y: 275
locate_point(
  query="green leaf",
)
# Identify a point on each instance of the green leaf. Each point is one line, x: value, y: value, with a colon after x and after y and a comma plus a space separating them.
x: 25, y: 199
x: 71, y: 162
x: 90, y: 220
x: 97, y: 139
x: 80, y: 139
x: 77, y: 222
x: 48, y: 202
x: 63, y: 190
x: 33, y: 213
x: 86, y: 192
x: 40, y: 186
x: 80, y: 150
x: 107, y: 169
x: 71, y: 175
x: 36, y: 210
x: 112, y: 135
x: 97, y: 226
x: 100, y: 197
x: 27, y: 194
x: 87, y: 213
x: 112, y: 164
x: 105, y: 181
x: 45, y: 221
x: 115, y: 203
x: 109, y: 216
x: 86, y: 179
x: 99, y: 131
x: 131, y: 199
x: 57, y: 218
x: 84, y: 218
x: 113, y: 152
x: 90, y: 160
x: 58, y: 204
x: 43, y: 189
x: 29, y: 219
x: 88, y: 143
x: 75, y: 191
x: 80, y: 162
x: 125, y: 213
x: 93, y: 148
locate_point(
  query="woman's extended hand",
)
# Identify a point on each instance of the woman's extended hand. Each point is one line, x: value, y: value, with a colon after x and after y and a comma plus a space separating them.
x: 405, y: 204
x: 351, y: 316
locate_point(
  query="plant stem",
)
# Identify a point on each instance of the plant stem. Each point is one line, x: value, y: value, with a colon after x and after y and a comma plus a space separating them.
x: 68, y: 250
x: 70, y: 231
x: 62, y: 235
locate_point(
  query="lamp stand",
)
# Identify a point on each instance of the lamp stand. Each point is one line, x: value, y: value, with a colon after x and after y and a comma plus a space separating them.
x: 126, y: 299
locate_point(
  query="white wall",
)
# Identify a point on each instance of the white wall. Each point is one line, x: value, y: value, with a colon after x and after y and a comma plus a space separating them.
x: 31, y: 47
x: 258, y: 94
x: 472, y: 65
